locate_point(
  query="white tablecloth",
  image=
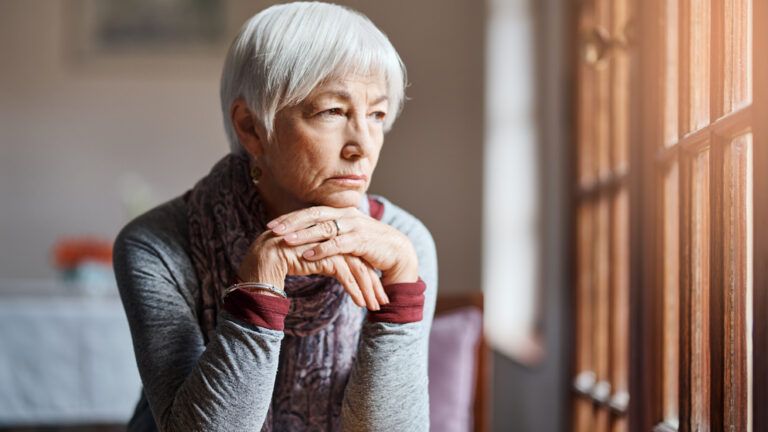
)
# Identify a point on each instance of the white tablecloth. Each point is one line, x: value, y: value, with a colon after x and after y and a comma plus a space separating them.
x: 64, y: 357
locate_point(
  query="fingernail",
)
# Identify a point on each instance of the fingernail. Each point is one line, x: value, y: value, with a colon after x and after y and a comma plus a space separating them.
x: 292, y: 236
x: 272, y: 224
x: 280, y: 228
x: 386, y: 300
x: 308, y: 253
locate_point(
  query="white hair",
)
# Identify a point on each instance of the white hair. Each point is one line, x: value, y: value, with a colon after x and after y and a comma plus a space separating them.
x: 285, y: 51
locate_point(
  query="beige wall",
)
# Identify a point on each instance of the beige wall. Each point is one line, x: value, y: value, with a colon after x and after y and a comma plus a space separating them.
x: 70, y: 131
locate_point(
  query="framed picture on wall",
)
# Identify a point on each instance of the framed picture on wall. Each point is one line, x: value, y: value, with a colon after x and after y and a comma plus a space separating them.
x: 108, y: 27
x: 152, y: 34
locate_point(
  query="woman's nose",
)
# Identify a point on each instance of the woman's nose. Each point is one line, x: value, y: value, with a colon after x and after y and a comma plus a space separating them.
x: 358, y: 141
x: 351, y: 151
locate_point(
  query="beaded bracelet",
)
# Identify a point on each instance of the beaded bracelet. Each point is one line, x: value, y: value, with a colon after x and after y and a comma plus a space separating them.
x: 254, y: 285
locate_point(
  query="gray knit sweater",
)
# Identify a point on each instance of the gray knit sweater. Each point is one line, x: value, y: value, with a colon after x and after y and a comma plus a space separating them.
x: 227, y: 385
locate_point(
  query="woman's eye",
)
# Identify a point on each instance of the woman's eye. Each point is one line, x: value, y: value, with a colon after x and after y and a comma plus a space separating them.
x: 332, y: 112
x: 379, y: 115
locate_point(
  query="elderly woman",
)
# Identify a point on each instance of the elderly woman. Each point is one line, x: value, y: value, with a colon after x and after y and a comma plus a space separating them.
x: 275, y: 294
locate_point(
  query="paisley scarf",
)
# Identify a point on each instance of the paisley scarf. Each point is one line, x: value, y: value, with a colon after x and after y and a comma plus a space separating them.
x: 225, y: 215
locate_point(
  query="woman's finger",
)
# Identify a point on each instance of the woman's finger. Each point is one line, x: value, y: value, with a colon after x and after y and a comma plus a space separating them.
x: 360, y: 270
x: 378, y: 288
x: 334, y: 267
x: 344, y: 275
x: 349, y: 244
x: 301, y: 218
x: 320, y: 232
x: 307, y: 217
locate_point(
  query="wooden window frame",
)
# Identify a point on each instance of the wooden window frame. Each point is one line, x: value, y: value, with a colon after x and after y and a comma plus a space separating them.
x: 603, y: 201
x: 760, y: 219
x: 646, y: 299
x: 647, y: 328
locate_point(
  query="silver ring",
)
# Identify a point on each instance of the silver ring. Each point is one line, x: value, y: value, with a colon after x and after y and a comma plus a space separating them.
x: 338, y: 227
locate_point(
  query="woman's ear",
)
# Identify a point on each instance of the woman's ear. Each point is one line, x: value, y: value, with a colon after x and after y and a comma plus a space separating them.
x: 247, y: 128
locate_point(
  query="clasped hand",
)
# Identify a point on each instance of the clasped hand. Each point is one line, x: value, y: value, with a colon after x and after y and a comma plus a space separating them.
x: 308, y: 241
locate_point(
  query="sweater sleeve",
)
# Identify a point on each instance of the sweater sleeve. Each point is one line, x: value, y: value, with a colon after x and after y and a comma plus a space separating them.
x: 388, y: 386
x: 224, y: 386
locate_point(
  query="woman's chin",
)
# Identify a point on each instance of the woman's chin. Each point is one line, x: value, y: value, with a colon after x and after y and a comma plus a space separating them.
x: 344, y: 198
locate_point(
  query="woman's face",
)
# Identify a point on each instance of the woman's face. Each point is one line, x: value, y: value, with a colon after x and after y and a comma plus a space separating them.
x: 325, y: 149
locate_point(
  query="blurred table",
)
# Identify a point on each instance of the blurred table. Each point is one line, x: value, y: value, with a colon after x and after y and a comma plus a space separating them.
x: 65, y: 356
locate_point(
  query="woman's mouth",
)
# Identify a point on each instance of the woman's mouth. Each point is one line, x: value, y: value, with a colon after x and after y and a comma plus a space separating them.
x: 349, y: 180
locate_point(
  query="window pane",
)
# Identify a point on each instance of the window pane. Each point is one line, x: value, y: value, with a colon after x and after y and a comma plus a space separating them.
x: 603, y: 117
x: 737, y: 31
x: 586, y: 138
x: 737, y: 205
x: 582, y: 408
x: 620, y: 88
x: 699, y: 295
x: 586, y: 114
x: 699, y: 58
x: 620, y: 305
x: 671, y: 72
x: 601, y: 300
x: 585, y: 378
x: 671, y: 296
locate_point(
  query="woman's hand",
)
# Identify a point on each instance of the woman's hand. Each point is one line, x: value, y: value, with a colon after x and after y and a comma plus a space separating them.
x: 270, y: 260
x: 360, y: 235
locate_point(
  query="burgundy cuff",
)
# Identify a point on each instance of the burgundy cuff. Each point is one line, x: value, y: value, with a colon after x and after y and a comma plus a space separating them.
x: 258, y: 309
x: 406, y: 303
